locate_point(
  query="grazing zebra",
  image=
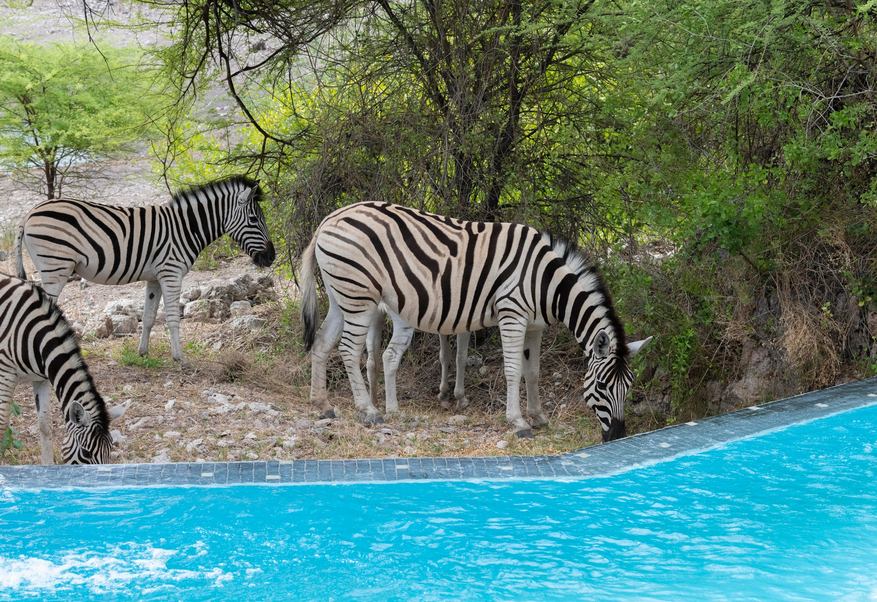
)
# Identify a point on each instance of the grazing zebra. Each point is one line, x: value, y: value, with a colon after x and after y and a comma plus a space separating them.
x: 36, y: 344
x: 448, y: 276
x: 158, y: 243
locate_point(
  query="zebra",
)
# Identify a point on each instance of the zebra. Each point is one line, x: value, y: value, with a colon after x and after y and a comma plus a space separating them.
x: 108, y: 244
x: 447, y: 276
x: 37, y: 344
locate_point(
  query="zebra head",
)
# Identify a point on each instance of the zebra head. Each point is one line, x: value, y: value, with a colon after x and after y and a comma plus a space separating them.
x: 607, y: 381
x: 88, y: 440
x: 246, y: 223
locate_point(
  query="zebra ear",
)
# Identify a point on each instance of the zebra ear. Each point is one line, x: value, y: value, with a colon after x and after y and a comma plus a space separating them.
x: 245, y: 195
x: 77, y: 414
x: 636, y: 346
x: 601, y: 344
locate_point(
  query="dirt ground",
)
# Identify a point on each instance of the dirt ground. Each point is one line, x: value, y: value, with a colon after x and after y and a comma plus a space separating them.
x: 245, y: 395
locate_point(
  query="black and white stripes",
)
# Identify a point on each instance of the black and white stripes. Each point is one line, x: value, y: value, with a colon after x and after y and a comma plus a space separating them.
x: 158, y: 243
x: 447, y: 276
x: 36, y: 344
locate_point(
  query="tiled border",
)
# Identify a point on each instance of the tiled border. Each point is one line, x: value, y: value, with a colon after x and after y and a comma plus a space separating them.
x: 600, y: 460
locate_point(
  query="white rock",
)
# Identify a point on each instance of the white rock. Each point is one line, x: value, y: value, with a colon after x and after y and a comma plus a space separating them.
x: 250, y: 435
x: 218, y: 398
x: 193, y: 444
x: 241, y: 308
x: 172, y: 434
x: 251, y: 455
x: 289, y: 443
x: 502, y: 444
x: 117, y: 436
x: 458, y: 419
x: 125, y: 307
x: 483, y: 370
x: 170, y: 405
x: 248, y: 322
x: 123, y: 324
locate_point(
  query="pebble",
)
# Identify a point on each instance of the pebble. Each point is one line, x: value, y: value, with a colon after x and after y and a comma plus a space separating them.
x: 502, y: 444
x: 170, y: 405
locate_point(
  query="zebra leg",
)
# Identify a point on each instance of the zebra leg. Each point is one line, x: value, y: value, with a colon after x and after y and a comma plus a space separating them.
x: 355, y: 332
x: 460, y: 383
x: 41, y: 390
x: 445, y: 360
x: 326, y: 339
x: 512, y: 331
x: 170, y: 288
x: 8, y: 383
x: 372, y: 346
x: 54, y: 283
x: 532, y: 348
x: 402, y: 334
x: 150, y: 309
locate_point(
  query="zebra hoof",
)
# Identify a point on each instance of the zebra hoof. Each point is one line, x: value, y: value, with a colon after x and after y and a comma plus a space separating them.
x: 327, y: 414
x: 524, y: 434
x: 372, y: 420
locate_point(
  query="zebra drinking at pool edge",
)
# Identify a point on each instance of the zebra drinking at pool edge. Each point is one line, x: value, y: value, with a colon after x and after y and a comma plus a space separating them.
x: 448, y: 276
x: 159, y: 243
x: 36, y: 344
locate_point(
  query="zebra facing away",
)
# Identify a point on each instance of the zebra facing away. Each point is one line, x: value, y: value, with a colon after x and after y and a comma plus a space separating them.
x: 447, y: 276
x: 36, y: 344
x: 108, y: 244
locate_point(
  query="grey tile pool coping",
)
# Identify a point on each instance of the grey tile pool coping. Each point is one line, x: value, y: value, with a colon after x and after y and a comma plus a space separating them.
x: 600, y: 460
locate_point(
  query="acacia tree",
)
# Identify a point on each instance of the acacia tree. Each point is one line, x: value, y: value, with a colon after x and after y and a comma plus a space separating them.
x: 474, y: 91
x: 65, y: 105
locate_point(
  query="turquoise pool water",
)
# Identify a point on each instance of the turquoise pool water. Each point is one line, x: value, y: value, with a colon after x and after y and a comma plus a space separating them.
x: 790, y: 515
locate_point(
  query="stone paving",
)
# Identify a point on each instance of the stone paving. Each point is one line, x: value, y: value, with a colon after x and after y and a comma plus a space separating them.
x: 601, y: 460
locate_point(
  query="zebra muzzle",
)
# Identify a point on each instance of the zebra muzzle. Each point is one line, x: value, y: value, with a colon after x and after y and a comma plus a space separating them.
x: 265, y: 257
x: 616, y: 430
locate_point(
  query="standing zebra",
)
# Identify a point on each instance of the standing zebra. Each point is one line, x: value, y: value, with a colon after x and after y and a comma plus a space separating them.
x: 36, y: 344
x: 447, y: 276
x: 158, y: 243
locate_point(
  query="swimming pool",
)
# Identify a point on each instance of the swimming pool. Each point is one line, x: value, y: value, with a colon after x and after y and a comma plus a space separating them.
x: 788, y: 515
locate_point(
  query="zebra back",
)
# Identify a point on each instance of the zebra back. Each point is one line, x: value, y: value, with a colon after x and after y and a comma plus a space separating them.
x: 36, y: 342
x: 111, y: 244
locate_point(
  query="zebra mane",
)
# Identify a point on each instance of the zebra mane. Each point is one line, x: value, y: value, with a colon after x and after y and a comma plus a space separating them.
x: 591, y: 278
x: 230, y: 182
x: 62, y: 326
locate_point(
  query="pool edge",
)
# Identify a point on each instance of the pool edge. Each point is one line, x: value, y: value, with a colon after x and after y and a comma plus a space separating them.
x: 633, y: 452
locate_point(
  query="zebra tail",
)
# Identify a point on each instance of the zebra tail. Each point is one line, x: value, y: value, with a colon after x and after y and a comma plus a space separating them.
x: 310, y: 310
x: 17, y: 251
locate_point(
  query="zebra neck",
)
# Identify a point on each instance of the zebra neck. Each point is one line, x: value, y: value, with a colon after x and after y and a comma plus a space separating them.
x: 200, y: 219
x: 584, y: 310
x: 68, y: 374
